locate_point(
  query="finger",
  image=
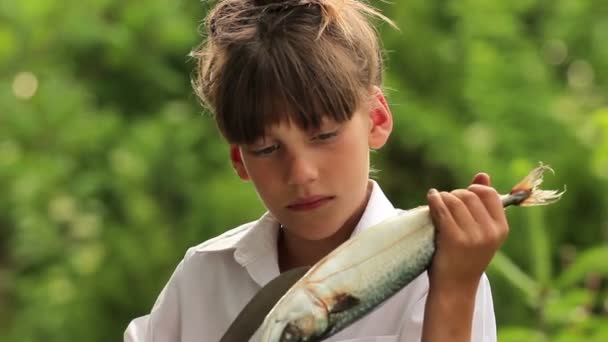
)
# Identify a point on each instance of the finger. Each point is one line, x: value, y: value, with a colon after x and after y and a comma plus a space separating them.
x: 458, y: 209
x: 491, y: 200
x: 440, y: 213
x: 476, y: 208
x: 482, y: 178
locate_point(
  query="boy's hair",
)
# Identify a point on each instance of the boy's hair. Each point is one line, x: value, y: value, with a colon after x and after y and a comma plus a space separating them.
x: 266, y: 62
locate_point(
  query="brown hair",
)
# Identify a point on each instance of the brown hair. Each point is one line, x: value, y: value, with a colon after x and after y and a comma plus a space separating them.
x: 266, y: 62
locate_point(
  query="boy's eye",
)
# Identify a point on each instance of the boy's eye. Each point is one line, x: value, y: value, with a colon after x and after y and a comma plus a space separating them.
x: 266, y: 150
x: 325, y: 136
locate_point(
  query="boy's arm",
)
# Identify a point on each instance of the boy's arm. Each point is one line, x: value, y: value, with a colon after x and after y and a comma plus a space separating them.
x: 483, y: 328
x: 448, y: 314
x: 471, y: 225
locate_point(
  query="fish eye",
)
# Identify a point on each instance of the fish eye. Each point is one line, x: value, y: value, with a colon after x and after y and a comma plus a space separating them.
x: 291, y: 333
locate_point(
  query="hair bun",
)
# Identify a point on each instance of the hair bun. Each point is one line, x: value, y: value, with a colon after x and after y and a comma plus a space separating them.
x: 286, y: 2
x: 268, y: 2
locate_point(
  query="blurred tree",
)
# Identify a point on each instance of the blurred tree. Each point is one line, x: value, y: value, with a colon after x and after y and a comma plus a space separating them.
x: 109, y: 172
x: 496, y: 87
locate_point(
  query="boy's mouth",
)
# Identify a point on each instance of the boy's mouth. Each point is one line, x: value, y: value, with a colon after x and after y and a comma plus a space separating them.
x: 309, y: 203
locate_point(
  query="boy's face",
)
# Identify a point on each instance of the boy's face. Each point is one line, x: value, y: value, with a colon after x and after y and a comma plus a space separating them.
x: 315, y: 182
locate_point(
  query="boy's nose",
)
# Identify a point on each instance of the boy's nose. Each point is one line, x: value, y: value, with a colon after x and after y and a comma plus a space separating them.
x: 301, y: 170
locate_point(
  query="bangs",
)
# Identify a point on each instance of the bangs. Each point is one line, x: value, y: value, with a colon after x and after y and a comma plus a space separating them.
x: 263, y: 86
x: 266, y: 63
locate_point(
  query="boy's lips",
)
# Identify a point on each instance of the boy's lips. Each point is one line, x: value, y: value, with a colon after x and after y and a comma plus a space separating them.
x: 309, y: 203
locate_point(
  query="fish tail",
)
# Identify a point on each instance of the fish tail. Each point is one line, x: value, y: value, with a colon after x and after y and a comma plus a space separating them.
x: 527, y: 192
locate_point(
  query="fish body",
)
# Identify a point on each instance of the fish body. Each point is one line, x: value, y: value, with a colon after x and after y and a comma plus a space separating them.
x: 368, y: 269
x: 337, y: 290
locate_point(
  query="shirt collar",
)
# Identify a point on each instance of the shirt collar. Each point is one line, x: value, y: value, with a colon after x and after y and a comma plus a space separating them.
x: 256, y: 250
x: 377, y: 210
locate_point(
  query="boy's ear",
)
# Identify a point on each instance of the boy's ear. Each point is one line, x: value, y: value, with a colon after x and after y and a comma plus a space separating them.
x: 237, y: 162
x: 381, y: 120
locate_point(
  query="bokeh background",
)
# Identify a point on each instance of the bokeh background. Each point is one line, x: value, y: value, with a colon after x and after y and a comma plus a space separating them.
x: 110, y: 169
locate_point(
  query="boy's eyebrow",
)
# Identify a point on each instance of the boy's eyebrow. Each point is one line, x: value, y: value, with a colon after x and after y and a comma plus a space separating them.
x: 326, y: 123
x: 258, y: 141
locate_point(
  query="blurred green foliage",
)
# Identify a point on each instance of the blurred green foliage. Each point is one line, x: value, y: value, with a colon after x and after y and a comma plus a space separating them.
x: 109, y: 171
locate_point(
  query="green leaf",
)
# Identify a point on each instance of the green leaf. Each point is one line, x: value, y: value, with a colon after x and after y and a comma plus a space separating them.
x: 571, y: 306
x: 539, y: 247
x: 591, y: 261
x: 502, y: 264
x: 591, y: 329
x: 518, y: 334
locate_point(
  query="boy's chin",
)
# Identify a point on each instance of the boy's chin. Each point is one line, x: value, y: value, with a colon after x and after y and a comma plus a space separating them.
x: 313, y: 230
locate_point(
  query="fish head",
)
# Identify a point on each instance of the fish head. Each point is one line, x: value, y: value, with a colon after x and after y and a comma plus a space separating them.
x: 298, y: 316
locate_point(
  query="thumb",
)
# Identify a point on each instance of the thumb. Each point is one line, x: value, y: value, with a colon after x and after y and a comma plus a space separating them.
x: 482, y: 178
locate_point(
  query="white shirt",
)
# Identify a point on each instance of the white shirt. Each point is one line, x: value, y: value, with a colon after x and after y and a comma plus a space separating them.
x: 217, y: 278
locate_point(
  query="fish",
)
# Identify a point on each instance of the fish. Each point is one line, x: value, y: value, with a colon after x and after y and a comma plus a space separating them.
x: 369, y: 268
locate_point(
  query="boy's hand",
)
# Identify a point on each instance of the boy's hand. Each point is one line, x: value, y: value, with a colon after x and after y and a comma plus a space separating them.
x: 471, y: 225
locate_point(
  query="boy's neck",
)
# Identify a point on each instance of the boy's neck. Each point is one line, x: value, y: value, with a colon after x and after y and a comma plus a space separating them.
x: 295, y: 252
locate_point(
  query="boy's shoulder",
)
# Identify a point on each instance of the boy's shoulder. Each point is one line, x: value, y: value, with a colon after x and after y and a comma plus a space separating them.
x: 223, y: 242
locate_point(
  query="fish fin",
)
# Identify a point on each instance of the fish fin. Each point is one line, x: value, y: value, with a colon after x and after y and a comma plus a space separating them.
x: 343, y: 302
x: 527, y: 192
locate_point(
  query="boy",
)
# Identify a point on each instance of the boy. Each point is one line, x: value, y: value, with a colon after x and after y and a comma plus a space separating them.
x: 295, y: 87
